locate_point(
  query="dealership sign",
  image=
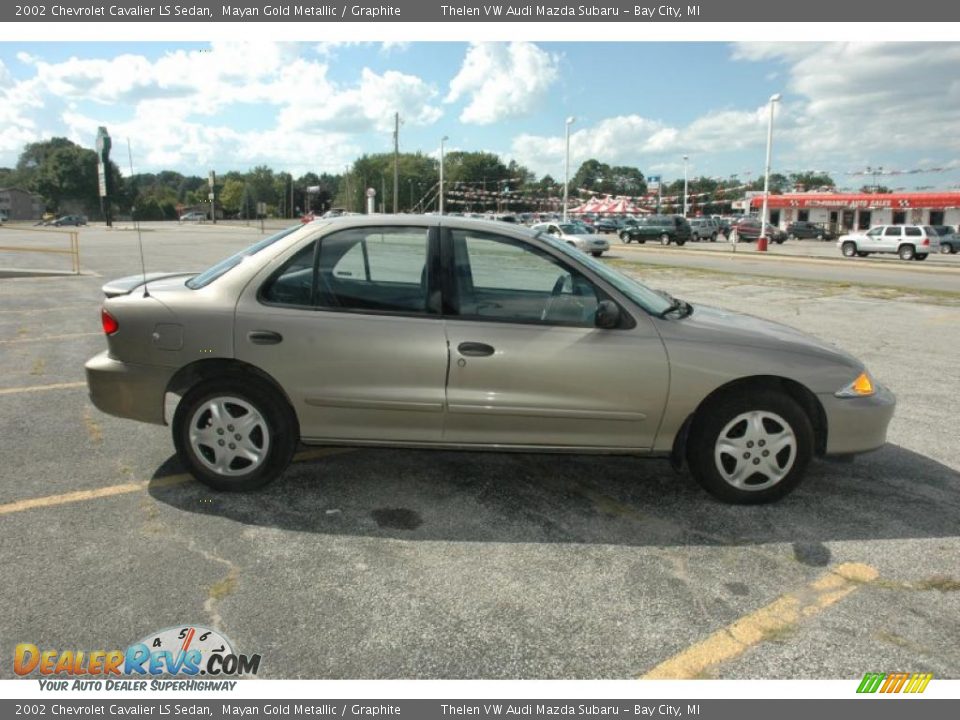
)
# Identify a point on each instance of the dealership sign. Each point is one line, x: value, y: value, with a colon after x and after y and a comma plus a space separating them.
x: 862, y: 200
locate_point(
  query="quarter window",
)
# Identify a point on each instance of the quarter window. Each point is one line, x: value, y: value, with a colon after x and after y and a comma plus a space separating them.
x: 293, y: 284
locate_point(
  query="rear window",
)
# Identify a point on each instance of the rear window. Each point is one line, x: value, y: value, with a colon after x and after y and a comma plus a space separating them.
x: 224, y: 266
x: 913, y: 231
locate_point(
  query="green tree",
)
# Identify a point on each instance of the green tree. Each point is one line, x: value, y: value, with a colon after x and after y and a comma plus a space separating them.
x: 65, y: 174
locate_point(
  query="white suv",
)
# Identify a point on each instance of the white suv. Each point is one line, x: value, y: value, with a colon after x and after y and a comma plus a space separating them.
x: 910, y: 242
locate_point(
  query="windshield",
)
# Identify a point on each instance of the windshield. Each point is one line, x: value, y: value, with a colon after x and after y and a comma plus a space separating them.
x: 646, y: 298
x: 211, y: 274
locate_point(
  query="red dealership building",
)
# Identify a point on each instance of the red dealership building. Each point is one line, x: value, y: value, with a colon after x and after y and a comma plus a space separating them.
x: 849, y: 211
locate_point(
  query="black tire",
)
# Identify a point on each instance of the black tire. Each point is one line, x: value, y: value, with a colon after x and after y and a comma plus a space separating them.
x: 717, y: 417
x: 277, y: 434
x: 945, y: 249
x: 820, y: 236
x: 906, y: 252
x: 664, y: 239
x: 779, y: 242
x: 861, y: 253
x: 791, y: 236
x: 641, y: 240
x: 597, y: 253
x: 713, y: 237
x: 625, y: 237
x: 681, y: 243
x: 849, y: 249
x: 920, y: 256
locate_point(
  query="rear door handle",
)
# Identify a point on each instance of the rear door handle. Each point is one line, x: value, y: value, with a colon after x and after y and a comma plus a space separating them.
x: 475, y: 349
x: 264, y: 337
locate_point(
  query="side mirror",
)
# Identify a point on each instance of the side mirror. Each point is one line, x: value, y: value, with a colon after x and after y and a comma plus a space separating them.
x: 608, y: 315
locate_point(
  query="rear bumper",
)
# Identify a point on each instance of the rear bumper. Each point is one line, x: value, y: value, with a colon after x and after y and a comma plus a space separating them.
x: 856, y: 425
x: 126, y: 390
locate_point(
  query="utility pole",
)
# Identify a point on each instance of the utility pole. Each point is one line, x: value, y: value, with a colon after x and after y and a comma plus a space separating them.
x: 396, y: 159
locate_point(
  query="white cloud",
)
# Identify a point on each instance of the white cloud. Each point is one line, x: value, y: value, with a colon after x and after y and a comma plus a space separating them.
x: 638, y: 141
x: 502, y: 80
x: 853, y: 101
x: 175, y: 108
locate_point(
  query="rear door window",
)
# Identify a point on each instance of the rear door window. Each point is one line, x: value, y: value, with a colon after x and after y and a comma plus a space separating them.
x: 913, y: 231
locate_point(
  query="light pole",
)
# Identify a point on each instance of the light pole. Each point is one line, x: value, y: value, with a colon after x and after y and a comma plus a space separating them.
x: 566, y: 167
x: 685, y: 158
x: 440, y: 204
x: 775, y: 98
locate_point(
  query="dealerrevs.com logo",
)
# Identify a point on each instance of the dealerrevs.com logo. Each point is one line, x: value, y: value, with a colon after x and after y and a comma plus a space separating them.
x: 186, y: 651
x: 894, y: 682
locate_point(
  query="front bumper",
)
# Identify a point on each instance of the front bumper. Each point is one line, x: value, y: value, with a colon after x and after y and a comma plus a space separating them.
x: 127, y: 390
x: 856, y: 425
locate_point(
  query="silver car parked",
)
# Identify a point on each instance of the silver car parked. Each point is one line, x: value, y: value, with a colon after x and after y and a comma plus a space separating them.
x: 416, y: 331
x: 575, y: 235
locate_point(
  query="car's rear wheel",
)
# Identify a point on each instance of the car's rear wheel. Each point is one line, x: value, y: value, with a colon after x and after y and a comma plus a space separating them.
x: 234, y: 433
x: 945, y: 249
x: 791, y: 236
x: 849, y: 249
x: 906, y: 252
x: 920, y: 256
x: 750, y: 447
x: 597, y: 253
x: 664, y: 239
x: 820, y: 236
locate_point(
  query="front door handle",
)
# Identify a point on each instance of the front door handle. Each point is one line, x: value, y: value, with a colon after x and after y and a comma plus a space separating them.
x: 475, y: 349
x: 264, y: 337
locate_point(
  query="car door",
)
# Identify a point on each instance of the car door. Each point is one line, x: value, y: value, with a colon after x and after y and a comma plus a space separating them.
x: 349, y: 326
x: 890, y: 240
x: 528, y: 365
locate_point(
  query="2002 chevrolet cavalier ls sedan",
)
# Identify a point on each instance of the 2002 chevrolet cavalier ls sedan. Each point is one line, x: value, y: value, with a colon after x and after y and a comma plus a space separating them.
x: 416, y: 331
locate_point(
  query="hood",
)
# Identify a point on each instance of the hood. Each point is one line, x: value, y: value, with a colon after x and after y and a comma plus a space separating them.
x: 723, y: 326
x: 158, y: 280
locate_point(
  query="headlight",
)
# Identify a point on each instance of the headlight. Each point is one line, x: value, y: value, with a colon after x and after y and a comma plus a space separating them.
x: 861, y: 387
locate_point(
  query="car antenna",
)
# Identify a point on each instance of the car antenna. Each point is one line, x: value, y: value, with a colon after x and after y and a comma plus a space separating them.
x: 136, y: 224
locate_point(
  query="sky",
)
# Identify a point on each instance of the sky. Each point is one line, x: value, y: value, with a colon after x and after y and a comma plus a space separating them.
x: 309, y: 106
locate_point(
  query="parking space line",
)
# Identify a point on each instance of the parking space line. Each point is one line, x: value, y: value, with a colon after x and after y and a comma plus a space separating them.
x: 780, y: 615
x: 131, y: 487
x: 42, y: 388
x: 47, y: 337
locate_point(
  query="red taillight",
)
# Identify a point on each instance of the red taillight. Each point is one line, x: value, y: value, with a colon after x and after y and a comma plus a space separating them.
x: 926, y: 241
x: 110, y: 324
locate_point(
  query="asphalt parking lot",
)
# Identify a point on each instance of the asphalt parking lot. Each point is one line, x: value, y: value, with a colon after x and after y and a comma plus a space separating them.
x: 413, y: 564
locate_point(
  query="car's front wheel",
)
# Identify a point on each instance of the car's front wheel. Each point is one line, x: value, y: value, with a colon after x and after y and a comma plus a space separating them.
x: 750, y: 447
x: 597, y: 253
x: 234, y: 433
x: 664, y: 239
x: 625, y: 237
x: 906, y: 252
x: 849, y: 249
x: 945, y: 249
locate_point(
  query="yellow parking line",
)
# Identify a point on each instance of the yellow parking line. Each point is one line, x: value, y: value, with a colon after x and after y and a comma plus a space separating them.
x: 41, y: 388
x: 46, y: 337
x: 782, y: 614
x: 131, y: 487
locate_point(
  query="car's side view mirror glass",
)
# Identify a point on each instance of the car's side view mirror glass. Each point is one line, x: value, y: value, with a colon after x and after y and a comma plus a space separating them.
x: 608, y: 315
